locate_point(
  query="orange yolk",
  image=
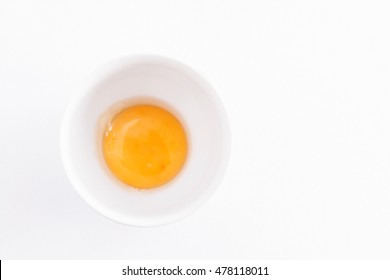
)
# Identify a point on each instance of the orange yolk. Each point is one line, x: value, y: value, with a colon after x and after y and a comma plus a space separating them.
x: 145, y: 146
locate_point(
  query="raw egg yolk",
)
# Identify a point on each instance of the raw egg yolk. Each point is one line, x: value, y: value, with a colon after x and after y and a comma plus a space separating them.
x: 145, y: 146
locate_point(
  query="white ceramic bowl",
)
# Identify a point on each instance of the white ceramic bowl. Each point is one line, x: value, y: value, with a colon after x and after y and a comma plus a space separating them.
x: 154, y: 80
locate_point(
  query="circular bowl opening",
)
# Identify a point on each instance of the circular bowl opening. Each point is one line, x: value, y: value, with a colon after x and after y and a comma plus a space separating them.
x: 156, y: 81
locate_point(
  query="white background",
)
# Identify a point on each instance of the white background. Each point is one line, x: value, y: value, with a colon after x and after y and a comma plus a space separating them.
x: 306, y: 87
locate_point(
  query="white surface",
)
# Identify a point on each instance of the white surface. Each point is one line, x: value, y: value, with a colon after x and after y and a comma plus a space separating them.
x: 128, y: 81
x: 306, y: 87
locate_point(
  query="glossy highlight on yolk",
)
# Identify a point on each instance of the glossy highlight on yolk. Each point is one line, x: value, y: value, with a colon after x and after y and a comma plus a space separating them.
x: 145, y: 146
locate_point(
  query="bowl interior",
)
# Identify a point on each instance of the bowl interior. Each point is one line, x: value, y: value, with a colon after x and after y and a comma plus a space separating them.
x: 145, y: 80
